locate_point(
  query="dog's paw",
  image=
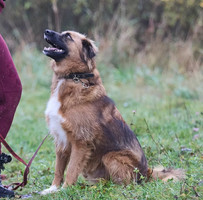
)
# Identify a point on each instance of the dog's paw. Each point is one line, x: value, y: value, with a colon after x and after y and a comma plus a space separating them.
x: 65, y: 185
x: 52, y: 189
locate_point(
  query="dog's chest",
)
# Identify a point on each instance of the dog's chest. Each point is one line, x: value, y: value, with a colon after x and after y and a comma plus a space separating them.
x: 55, y: 119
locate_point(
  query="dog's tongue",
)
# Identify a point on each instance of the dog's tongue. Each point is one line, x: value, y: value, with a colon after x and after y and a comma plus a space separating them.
x: 2, y: 5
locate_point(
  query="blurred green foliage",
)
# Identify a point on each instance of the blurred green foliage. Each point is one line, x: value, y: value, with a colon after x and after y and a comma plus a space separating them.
x: 164, y: 110
x: 161, y: 103
x: 26, y: 20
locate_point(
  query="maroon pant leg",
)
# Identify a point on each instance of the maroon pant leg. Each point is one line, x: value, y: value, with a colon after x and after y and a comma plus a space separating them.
x: 10, y: 89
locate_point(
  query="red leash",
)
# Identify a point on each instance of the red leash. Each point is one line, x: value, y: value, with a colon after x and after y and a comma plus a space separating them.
x: 26, y: 172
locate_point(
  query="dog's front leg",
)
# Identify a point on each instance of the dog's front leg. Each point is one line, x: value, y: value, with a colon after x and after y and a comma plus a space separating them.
x: 78, y: 159
x: 62, y: 158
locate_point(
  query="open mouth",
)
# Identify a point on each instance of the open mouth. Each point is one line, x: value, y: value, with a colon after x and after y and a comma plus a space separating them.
x: 54, y: 47
x: 58, y: 49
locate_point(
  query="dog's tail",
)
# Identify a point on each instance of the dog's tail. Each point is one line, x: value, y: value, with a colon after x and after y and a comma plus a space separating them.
x: 166, y: 174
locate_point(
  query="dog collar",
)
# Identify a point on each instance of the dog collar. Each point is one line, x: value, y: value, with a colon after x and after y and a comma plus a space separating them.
x: 76, y: 77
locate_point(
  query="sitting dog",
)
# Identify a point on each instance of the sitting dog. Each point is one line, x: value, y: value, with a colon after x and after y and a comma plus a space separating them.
x: 90, y: 134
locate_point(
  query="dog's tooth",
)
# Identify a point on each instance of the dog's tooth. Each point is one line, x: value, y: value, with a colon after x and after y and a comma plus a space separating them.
x: 59, y: 50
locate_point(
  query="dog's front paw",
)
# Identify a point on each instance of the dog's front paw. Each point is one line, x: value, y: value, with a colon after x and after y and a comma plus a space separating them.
x: 52, y: 189
x: 65, y: 185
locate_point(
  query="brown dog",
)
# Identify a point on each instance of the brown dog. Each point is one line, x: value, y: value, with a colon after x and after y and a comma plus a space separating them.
x: 90, y: 134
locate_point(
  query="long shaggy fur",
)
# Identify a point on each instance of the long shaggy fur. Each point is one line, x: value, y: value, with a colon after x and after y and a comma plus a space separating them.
x: 91, y: 136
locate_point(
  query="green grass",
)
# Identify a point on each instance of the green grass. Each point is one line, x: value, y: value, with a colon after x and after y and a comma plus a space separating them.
x: 162, y: 108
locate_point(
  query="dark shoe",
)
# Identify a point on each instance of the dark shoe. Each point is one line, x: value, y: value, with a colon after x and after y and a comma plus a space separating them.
x: 6, y: 193
x: 3, y: 191
x: 4, y: 159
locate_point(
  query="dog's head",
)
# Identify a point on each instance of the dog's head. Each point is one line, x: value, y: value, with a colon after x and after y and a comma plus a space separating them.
x: 70, y: 48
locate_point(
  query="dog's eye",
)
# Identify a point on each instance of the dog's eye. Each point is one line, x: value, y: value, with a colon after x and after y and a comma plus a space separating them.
x: 68, y: 36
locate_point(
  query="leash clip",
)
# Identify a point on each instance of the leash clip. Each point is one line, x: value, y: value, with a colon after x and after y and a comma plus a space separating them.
x: 76, y: 79
x: 85, y: 85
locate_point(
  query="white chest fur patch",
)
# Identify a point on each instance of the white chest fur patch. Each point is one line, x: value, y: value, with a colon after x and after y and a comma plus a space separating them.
x: 55, y: 119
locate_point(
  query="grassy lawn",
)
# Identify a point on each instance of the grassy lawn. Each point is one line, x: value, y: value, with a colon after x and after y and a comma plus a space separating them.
x: 164, y: 108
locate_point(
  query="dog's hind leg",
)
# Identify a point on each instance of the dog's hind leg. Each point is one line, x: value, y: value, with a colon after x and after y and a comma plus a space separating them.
x: 94, y: 175
x: 121, y: 166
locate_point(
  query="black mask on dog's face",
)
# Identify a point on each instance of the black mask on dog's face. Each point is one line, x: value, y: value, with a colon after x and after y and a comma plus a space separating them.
x: 59, y: 50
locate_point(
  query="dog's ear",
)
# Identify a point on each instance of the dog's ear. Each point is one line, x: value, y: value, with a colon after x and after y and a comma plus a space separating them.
x: 89, y: 49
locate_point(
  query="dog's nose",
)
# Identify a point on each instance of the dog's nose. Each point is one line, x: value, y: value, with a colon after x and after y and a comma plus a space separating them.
x: 48, y: 32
